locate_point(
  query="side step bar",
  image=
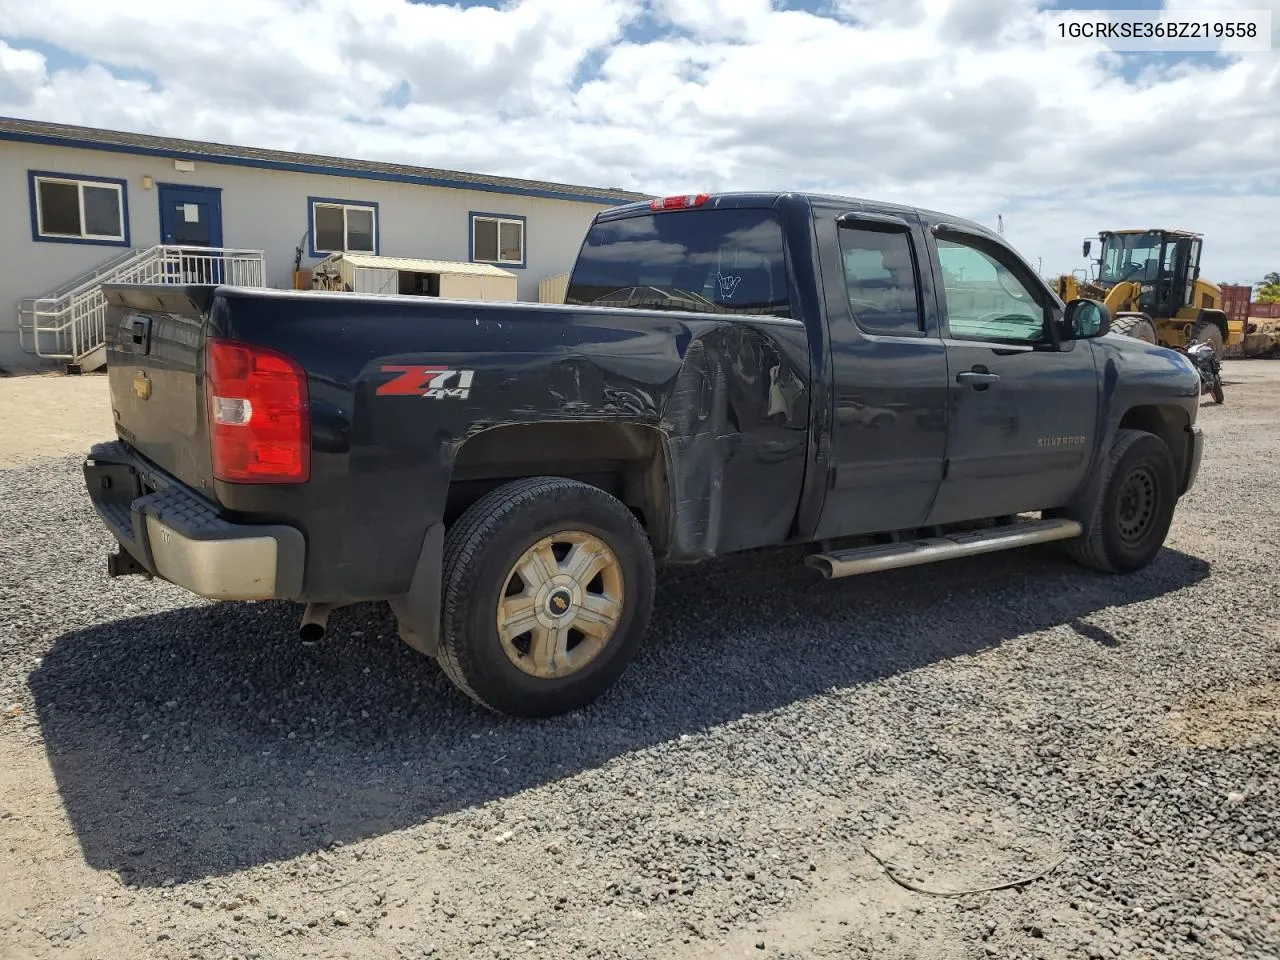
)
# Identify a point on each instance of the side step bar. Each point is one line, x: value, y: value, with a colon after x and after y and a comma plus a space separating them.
x: 891, y: 556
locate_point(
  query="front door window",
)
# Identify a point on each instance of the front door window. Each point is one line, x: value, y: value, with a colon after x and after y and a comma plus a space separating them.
x: 985, y: 300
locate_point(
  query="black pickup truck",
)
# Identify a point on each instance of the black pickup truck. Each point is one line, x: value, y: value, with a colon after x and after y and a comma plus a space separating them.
x: 728, y: 372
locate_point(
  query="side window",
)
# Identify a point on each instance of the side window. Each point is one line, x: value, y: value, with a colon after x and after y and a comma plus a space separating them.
x: 985, y: 300
x: 881, y: 277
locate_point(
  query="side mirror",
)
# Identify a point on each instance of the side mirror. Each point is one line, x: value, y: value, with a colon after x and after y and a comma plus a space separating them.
x: 1084, y: 250
x: 1085, y: 320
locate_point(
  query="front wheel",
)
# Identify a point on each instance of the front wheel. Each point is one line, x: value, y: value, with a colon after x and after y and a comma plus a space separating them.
x: 548, y: 586
x: 1218, y: 395
x: 1128, y: 519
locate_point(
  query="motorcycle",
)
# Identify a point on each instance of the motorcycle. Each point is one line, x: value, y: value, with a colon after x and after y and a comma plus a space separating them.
x: 1209, y: 367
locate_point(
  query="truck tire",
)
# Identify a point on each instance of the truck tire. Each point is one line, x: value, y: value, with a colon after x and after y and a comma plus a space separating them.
x: 1136, y: 325
x: 1126, y: 522
x: 1208, y: 331
x: 562, y: 558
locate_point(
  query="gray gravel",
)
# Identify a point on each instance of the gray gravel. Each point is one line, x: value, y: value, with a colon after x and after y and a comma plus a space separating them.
x: 198, y: 785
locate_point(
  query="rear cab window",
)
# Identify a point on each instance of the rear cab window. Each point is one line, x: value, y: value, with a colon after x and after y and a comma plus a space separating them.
x: 882, y: 279
x: 724, y: 261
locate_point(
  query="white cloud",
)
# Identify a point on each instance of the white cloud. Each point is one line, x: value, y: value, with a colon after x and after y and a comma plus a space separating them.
x: 718, y: 19
x: 21, y: 75
x: 952, y: 104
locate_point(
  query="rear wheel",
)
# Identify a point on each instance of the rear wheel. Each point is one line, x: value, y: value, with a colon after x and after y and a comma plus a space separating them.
x: 1136, y: 325
x: 1126, y: 523
x: 548, y: 586
x: 1218, y: 395
x: 1206, y: 331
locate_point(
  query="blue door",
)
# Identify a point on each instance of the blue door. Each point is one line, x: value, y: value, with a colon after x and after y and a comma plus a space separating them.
x: 191, y: 217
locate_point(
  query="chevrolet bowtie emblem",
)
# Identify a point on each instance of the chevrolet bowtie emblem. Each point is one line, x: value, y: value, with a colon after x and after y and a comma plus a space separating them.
x: 141, y: 385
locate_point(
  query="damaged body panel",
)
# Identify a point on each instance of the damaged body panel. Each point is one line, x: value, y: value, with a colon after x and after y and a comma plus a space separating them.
x: 706, y: 417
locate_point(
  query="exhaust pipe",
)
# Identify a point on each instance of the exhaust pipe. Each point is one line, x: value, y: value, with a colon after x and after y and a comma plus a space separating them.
x: 315, y: 622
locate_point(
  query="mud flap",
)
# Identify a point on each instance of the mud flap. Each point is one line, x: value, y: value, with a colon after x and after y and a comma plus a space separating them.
x: 418, y: 611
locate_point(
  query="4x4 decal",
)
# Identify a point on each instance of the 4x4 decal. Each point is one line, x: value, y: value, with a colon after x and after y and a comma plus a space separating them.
x: 430, y: 382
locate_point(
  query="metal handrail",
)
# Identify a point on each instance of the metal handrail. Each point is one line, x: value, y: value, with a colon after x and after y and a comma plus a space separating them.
x: 70, y: 323
x: 95, y: 276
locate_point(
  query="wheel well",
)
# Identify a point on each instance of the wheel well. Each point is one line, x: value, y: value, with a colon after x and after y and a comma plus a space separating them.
x: 623, y: 459
x: 1167, y: 423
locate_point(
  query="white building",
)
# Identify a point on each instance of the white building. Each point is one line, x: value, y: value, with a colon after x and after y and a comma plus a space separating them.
x: 81, y: 206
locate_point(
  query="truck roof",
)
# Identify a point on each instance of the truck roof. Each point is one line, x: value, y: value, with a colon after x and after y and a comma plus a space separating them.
x: 824, y: 201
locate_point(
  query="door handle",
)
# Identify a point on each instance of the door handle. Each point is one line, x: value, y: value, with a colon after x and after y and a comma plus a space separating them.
x: 140, y: 335
x: 978, y: 379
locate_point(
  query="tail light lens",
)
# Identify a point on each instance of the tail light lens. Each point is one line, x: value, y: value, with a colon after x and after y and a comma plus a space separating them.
x: 259, y: 414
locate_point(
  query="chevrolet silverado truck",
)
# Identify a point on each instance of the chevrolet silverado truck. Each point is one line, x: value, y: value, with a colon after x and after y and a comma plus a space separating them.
x: 732, y: 372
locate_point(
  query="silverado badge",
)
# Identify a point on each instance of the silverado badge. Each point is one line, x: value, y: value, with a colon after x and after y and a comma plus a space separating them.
x: 141, y: 385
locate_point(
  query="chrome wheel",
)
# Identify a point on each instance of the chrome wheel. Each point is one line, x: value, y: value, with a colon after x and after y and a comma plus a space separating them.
x: 560, y: 605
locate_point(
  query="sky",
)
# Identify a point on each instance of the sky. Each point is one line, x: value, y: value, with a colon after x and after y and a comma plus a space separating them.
x: 954, y: 105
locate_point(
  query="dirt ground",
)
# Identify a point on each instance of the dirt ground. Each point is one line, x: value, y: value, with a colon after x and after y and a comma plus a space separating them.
x: 179, y: 779
x: 51, y: 416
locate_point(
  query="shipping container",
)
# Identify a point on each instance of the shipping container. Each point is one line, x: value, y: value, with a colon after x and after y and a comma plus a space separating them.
x: 1235, y: 300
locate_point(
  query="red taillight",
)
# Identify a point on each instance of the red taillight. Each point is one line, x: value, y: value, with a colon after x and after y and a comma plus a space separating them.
x: 679, y: 203
x: 259, y: 416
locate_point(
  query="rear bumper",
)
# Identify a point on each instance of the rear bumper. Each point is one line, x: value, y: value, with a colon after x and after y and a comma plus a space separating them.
x: 1195, y: 439
x: 174, y: 533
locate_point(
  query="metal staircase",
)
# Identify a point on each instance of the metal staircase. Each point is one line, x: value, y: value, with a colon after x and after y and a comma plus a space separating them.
x: 70, y: 323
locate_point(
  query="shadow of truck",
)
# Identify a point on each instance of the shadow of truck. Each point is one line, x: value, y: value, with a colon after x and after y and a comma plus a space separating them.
x: 206, y: 740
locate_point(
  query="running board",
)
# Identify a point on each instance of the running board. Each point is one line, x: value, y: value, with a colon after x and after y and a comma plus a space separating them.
x: 891, y: 556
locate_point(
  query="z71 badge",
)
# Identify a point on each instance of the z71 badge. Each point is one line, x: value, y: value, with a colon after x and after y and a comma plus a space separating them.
x: 435, y: 383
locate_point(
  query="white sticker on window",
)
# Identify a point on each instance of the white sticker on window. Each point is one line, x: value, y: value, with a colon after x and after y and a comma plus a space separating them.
x: 728, y: 286
x: 191, y: 212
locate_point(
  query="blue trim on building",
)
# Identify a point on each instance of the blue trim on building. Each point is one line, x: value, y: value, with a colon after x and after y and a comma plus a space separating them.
x: 524, y: 239
x: 311, y: 225
x: 316, y: 168
x: 84, y: 178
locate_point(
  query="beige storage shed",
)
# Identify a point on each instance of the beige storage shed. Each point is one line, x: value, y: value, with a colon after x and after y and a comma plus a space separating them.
x: 553, y: 289
x: 449, y: 279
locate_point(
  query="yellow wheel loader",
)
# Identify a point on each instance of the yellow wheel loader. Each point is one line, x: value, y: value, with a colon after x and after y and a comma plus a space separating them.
x: 1150, y: 281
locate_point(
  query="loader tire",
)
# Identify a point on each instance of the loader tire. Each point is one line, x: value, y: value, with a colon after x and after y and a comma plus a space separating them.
x: 1136, y: 325
x: 1208, y: 331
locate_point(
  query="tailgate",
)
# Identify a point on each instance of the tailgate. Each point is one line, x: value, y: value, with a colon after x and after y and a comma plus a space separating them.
x: 155, y: 340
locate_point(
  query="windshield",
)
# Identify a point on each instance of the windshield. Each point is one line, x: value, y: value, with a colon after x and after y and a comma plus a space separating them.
x: 1131, y: 256
x: 705, y: 261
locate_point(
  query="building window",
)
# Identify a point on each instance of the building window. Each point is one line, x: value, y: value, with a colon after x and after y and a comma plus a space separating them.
x: 342, y: 226
x: 69, y: 208
x: 497, y: 239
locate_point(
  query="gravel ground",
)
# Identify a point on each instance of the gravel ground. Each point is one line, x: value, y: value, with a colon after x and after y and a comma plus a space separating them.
x: 182, y: 779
